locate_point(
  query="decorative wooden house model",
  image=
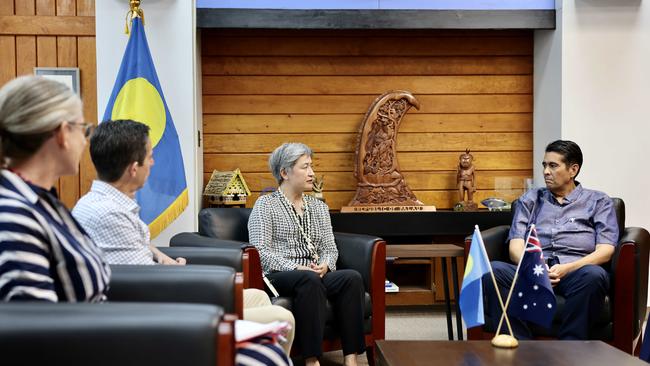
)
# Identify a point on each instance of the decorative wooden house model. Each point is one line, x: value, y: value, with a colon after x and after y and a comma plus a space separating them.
x: 226, y: 189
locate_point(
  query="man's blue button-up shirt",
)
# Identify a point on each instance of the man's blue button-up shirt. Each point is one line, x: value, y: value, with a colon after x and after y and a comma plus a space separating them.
x: 569, y: 230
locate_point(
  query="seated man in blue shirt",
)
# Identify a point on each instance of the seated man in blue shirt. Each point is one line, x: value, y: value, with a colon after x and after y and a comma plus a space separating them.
x: 578, y: 231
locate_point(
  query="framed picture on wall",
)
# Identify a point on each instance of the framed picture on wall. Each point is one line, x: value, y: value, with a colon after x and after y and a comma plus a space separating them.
x: 66, y: 75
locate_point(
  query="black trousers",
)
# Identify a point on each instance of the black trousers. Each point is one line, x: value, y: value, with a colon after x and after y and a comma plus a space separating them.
x: 345, y: 291
x: 584, y: 291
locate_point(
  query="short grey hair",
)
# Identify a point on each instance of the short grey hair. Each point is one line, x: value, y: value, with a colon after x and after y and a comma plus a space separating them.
x: 284, y: 157
x: 31, y: 107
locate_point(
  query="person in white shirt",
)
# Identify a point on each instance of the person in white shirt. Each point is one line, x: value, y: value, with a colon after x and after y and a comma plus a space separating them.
x: 122, y: 154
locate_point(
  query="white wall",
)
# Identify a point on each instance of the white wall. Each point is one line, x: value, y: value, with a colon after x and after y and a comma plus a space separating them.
x: 547, y: 92
x: 598, y: 60
x: 606, y: 97
x: 599, y: 57
x: 171, y: 33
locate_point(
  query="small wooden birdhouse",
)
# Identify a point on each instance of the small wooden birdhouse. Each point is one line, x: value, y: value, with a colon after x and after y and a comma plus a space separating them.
x: 226, y: 189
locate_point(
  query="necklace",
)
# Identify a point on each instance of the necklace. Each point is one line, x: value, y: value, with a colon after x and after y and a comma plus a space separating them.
x: 307, y: 217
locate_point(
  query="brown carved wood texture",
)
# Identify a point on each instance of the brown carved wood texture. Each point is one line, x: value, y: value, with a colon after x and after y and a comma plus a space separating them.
x: 379, y: 179
x: 53, y: 33
x: 263, y: 88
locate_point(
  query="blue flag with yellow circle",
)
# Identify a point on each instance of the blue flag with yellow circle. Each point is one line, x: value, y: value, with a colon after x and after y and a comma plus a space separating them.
x: 137, y: 95
x: 471, y: 293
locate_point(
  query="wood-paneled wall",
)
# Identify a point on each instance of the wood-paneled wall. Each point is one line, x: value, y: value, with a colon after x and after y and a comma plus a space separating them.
x: 262, y: 88
x: 53, y: 33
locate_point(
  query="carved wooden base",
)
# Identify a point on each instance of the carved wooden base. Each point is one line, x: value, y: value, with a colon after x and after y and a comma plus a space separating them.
x: 466, y: 206
x: 398, y: 194
x: 378, y: 209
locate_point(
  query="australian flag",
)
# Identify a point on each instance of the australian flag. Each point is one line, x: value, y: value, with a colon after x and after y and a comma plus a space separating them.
x: 533, y: 298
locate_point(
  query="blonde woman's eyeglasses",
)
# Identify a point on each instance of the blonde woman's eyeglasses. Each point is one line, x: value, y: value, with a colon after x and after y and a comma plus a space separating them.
x: 86, y: 127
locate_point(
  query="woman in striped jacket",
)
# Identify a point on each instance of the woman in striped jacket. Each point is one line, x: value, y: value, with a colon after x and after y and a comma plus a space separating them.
x: 44, y: 254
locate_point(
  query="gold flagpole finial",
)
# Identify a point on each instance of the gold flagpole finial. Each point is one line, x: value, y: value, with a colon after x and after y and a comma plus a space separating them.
x: 134, y: 12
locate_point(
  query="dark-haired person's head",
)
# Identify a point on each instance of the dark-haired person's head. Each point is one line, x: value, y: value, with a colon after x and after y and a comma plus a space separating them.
x: 562, y: 163
x: 121, y: 150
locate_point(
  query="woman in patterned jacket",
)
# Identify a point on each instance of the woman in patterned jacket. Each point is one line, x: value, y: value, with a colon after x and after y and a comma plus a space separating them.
x: 44, y: 254
x: 293, y: 234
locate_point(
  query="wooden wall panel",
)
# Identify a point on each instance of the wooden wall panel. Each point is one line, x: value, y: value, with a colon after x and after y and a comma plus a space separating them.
x: 349, y: 123
x: 66, y: 7
x: 53, y: 33
x: 7, y: 7
x: 87, y: 62
x: 25, y: 54
x: 86, y: 8
x: 376, y: 65
x: 45, y: 7
x: 25, y: 7
x: 305, y: 104
x: 262, y: 88
x: 7, y: 58
x: 67, y: 57
x: 371, y: 46
x: 46, y: 51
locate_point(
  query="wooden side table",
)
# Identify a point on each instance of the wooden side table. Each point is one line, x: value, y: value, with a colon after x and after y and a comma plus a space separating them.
x: 443, y: 251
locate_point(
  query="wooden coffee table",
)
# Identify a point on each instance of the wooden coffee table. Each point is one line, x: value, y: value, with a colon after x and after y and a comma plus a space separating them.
x: 543, y: 353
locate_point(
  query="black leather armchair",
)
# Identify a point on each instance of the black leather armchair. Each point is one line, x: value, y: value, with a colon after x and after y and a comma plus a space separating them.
x: 366, y: 254
x: 198, y: 284
x: 229, y: 257
x: 625, y: 307
x: 200, y: 249
x: 114, y: 334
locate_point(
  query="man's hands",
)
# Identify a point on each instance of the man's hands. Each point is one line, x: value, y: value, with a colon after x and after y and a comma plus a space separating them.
x: 321, y: 269
x: 558, y: 271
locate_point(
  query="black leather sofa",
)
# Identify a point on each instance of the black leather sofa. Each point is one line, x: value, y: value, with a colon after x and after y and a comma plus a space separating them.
x: 622, y: 318
x: 198, y: 284
x: 110, y: 334
x: 228, y: 228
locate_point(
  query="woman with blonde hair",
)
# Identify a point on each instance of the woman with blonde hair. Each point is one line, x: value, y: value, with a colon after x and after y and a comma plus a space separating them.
x: 44, y: 254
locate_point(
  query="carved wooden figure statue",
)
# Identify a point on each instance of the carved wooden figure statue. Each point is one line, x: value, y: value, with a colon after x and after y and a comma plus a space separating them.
x: 317, y: 188
x: 379, y: 180
x: 465, y: 177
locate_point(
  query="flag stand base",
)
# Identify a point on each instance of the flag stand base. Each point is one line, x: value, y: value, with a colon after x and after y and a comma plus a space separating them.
x: 505, y: 341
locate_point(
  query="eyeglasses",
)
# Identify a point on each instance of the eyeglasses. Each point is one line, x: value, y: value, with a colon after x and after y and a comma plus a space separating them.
x: 86, y: 127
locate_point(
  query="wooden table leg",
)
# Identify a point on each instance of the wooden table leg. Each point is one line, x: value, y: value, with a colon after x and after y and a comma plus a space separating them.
x: 454, y: 274
x: 445, y: 282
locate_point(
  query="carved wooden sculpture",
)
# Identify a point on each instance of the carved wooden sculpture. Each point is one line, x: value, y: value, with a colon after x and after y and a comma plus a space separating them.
x: 379, y: 180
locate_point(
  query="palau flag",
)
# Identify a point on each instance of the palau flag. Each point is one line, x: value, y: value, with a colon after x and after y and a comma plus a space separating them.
x: 471, y: 293
x: 137, y: 95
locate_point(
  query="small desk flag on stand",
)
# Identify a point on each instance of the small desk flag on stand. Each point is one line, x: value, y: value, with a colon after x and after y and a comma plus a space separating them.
x: 471, y: 292
x: 533, y: 298
x: 137, y: 95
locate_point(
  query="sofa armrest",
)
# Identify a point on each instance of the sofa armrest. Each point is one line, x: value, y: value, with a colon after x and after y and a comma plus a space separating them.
x: 494, y: 239
x: 629, y: 278
x: 356, y: 252
x: 229, y: 257
x: 114, y: 334
x: 251, y: 263
x: 224, y: 223
x: 200, y: 284
x: 196, y: 240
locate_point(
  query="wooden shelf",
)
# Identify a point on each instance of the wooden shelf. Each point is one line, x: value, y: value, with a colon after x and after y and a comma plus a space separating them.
x: 417, y: 270
x: 411, y: 295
